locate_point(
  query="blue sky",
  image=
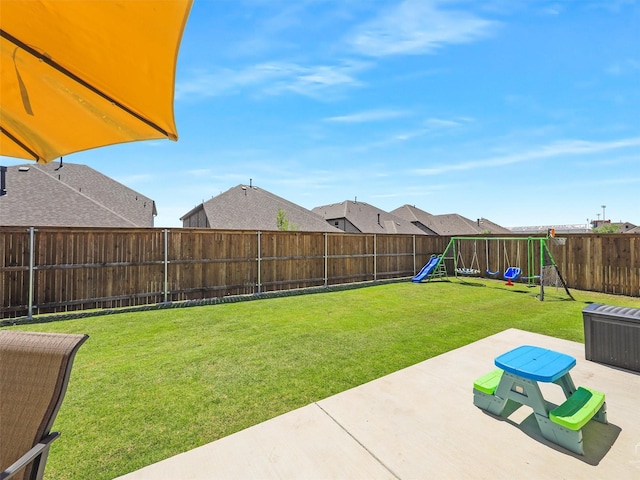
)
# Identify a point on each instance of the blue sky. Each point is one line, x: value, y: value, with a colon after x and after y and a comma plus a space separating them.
x: 523, y: 112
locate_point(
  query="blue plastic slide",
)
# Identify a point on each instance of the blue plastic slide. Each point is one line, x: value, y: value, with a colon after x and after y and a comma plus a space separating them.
x: 426, y: 270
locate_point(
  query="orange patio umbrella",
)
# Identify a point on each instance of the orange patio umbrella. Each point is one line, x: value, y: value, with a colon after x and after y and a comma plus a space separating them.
x: 76, y: 75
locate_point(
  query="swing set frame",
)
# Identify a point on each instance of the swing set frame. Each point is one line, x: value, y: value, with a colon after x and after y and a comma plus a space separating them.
x: 538, y: 257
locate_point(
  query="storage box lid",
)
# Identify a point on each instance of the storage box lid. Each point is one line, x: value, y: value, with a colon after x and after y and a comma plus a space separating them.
x: 613, y: 311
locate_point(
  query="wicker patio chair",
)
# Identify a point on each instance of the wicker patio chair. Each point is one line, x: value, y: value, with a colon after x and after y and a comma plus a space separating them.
x: 34, y: 373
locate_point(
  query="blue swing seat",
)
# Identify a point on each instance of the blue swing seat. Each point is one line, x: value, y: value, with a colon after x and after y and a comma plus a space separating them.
x: 512, y: 273
x: 493, y: 274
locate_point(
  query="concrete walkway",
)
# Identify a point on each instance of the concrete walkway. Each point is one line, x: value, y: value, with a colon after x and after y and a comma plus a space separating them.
x: 420, y: 422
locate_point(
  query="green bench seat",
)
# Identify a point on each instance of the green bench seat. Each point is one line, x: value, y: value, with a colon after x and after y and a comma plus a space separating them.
x: 489, y: 382
x: 578, y: 409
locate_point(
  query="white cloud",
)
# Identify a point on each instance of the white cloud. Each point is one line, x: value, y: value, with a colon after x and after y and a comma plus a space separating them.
x: 318, y: 81
x: 404, y: 136
x: 553, y: 9
x: 623, y: 67
x: 224, y: 81
x: 568, y: 147
x: 417, y: 27
x: 272, y: 78
x: 611, y: 6
x: 368, y: 116
x: 442, y: 123
x: 413, y: 191
x: 199, y: 172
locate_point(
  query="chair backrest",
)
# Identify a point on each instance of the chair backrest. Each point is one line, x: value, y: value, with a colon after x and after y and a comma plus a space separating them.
x: 34, y: 373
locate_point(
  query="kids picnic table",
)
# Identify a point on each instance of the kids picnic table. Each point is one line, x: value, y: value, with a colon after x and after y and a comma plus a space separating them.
x: 516, y: 380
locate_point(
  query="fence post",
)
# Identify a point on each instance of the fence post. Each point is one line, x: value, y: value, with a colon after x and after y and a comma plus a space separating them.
x: 375, y: 257
x: 414, y: 255
x: 542, y: 245
x: 259, y: 263
x: 166, y: 264
x: 31, y: 270
x: 326, y: 259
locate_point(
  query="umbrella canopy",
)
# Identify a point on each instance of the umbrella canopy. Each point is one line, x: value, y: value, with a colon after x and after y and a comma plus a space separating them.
x: 77, y: 75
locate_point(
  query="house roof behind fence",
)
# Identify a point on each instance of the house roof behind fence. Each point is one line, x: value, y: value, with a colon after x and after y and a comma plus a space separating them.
x: 247, y: 207
x: 367, y: 218
x: 71, y: 195
x: 448, y: 224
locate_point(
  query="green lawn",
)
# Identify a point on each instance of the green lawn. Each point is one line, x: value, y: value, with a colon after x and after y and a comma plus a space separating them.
x: 148, y: 385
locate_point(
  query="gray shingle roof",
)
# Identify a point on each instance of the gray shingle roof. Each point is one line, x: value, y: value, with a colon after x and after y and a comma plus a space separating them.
x: 448, y: 224
x: 72, y: 196
x: 367, y: 218
x: 245, y: 207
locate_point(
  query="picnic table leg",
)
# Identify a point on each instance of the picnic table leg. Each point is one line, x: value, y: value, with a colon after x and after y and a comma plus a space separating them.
x: 524, y: 391
x: 527, y: 392
x: 601, y: 416
x: 567, y: 385
x: 569, y: 439
x: 491, y: 403
x: 497, y: 402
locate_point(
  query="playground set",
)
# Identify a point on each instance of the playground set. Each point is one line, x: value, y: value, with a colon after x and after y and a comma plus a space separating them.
x: 540, y: 268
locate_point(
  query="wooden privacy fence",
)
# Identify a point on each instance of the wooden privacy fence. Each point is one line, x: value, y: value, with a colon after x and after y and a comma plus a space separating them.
x: 52, y: 269
x: 60, y: 269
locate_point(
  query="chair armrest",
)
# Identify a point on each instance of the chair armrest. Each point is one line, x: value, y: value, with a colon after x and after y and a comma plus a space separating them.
x: 30, y: 456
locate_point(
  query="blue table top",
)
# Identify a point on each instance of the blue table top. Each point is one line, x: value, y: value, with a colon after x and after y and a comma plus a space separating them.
x: 535, y: 363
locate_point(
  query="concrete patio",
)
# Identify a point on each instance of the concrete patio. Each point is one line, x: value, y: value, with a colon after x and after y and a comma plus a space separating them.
x: 420, y: 422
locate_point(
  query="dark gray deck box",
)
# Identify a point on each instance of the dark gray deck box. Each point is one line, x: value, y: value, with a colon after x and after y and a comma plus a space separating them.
x: 612, y: 335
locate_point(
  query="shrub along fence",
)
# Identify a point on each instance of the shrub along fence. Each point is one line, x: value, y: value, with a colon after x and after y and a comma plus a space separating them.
x: 56, y: 269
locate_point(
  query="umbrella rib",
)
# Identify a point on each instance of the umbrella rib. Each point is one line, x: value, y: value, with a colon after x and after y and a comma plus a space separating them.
x: 79, y: 80
x: 20, y: 144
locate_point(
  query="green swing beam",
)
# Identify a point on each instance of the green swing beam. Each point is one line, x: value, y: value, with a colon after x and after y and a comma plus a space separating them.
x: 546, y: 258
